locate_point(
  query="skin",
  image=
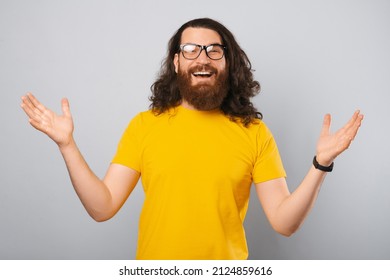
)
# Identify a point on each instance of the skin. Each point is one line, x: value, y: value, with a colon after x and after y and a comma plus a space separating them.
x: 204, y: 38
x: 102, y: 198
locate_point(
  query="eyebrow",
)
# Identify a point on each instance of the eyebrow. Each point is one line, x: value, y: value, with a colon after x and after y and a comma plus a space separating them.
x: 218, y: 43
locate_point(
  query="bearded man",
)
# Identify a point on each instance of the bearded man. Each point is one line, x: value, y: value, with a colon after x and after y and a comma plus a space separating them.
x: 198, y: 150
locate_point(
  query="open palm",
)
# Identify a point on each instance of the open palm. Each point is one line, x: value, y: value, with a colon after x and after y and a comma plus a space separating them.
x: 330, y: 145
x: 58, y: 127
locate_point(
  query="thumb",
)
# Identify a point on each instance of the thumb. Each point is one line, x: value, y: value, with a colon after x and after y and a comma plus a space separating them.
x: 65, y: 107
x: 326, y: 125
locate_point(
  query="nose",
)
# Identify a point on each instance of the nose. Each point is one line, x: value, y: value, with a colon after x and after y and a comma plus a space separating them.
x: 203, y: 58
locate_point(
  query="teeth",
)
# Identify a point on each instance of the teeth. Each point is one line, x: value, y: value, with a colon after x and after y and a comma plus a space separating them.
x: 202, y: 73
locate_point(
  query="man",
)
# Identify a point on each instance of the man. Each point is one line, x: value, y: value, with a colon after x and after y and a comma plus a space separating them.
x: 198, y: 151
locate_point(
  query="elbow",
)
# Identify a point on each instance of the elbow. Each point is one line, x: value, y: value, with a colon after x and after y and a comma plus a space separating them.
x: 101, y: 213
x: 100, y: 217
x: 286, y: 231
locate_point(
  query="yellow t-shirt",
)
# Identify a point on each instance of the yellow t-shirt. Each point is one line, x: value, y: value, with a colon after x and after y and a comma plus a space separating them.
x: 197, y: 169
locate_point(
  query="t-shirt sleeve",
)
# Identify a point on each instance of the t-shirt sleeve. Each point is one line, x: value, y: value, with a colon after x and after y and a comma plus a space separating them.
x: 268, y: 164
x: 128, y: 150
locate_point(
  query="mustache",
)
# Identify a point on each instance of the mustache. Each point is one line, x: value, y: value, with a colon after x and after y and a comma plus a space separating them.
x: 202, y: 68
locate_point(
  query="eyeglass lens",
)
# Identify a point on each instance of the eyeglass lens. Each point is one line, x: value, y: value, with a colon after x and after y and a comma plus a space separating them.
x: 192, y: 51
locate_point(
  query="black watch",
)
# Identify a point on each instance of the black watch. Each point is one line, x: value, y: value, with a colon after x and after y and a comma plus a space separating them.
x: 321, y: 167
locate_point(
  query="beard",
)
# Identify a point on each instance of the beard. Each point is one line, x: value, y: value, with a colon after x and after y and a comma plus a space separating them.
x: 204, y: 96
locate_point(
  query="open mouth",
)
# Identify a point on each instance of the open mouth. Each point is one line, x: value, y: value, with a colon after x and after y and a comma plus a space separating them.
x: 202, y: 74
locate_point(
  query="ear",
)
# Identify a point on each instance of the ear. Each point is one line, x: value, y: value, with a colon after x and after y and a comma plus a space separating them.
x: 176, y: 63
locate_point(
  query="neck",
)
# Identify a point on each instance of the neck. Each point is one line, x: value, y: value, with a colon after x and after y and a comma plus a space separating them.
x: 186, y: 105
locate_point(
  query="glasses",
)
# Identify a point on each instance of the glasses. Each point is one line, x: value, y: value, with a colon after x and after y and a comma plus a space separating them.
x: 192, y: 51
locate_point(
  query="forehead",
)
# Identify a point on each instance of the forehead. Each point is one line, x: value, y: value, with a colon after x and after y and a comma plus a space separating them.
x: 201, y: 36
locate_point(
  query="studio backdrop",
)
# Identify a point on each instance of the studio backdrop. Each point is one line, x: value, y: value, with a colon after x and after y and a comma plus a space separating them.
x: 310, y: 57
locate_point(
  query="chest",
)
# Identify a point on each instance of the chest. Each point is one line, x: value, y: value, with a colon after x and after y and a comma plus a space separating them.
x: 205, y: 150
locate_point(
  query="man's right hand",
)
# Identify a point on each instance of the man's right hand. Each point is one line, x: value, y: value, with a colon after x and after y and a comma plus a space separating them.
x: 101, y: 198
x: 58, y: 127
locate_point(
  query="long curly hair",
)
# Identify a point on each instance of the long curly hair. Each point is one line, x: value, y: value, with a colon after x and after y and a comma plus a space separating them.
x: 241, y: 85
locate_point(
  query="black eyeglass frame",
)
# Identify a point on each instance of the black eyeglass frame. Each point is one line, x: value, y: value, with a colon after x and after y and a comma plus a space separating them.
x: 181, y: 47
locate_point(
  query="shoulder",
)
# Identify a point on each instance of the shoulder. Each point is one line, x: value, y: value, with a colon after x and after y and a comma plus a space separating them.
x: 257, y: 128
x: 261, y: 134
x: 146, y: 119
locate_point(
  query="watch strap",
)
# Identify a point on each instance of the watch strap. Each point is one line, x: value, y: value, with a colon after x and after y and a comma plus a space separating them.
x: 321, y: 167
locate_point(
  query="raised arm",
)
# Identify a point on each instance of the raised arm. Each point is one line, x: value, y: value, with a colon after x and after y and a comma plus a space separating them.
x: 101, y: 198
x: 285, y: 211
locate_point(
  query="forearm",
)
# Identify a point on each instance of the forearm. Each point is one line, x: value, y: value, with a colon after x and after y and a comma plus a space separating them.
x: 294, y: 208
x: 101, y: 198
x: 286, y: 211
x: 93, y: 193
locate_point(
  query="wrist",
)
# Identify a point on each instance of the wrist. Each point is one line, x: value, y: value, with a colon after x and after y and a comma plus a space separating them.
x: 67, y: 146
x: 324, y: 160
x: 319, y: 166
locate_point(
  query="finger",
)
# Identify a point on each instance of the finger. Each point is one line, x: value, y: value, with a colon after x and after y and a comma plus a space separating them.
x: 356, y: 125
x: 34, y: 101
x: 28, y: 107
x: 37, y: 118
x: 26, y: 102
x: 65, y: 107
x: 326, y: 125
x: 353, y: 120
x: 36, y: 124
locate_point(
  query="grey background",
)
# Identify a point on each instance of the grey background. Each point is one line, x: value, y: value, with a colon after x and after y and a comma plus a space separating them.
x: 311, y: 58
